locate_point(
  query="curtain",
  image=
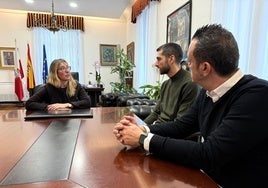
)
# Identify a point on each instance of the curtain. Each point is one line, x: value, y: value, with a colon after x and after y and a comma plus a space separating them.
x: 45, y: 20
x: 65, y: 45
x: 146, y: 41
x: 247, y: 20
x: 138, y: 7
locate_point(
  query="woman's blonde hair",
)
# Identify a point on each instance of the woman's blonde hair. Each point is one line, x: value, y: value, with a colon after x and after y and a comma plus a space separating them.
x: 54, y: 80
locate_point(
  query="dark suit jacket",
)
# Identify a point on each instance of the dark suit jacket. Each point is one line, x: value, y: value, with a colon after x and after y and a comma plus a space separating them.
x: 235, y: 130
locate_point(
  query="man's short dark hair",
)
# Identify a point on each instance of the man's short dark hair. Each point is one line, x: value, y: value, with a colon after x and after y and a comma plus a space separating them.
x: 169, y: 49
x: 218, y: 47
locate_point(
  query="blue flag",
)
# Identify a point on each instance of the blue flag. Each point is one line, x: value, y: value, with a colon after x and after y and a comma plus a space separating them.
x: 45, y: 71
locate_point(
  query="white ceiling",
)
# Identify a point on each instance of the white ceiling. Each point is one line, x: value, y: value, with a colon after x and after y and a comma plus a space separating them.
x: 95, y: 8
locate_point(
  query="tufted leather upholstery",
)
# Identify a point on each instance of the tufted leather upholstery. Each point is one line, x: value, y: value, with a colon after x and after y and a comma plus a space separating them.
x: 122, y: 100
x: 139, y: 104
x: 141, y: 107
x: 119, y: 99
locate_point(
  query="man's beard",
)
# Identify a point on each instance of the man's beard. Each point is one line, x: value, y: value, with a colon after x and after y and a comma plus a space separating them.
x: 164, y: 70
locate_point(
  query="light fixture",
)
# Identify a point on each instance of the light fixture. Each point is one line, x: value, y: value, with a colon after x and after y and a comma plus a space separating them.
x: 29, y: 1
x: 52, y: 23
x: 73, y: 5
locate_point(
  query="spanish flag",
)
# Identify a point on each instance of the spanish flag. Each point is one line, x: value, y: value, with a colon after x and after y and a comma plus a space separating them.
x: 30, y: 72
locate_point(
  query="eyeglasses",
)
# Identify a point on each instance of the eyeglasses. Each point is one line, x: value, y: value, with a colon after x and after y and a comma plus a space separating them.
x: 62, y: 69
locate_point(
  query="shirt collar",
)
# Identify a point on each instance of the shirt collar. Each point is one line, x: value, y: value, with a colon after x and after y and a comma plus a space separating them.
x: 217, y: 93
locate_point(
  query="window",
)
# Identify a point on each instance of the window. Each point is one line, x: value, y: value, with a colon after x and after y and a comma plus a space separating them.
x: 65, y: 45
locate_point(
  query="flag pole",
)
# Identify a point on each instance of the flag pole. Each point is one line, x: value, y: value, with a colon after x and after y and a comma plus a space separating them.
x: 16, y: 56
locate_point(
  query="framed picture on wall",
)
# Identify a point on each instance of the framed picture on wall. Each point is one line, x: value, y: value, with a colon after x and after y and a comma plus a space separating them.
x: 131, y: 52
x: 131, y: 57
x: 7, y: 58
x: 108, y: 54
x: 179, y: 27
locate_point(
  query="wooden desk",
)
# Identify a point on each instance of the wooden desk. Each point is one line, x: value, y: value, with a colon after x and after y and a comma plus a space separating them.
x: 98, y: 159
x: 94, y: 93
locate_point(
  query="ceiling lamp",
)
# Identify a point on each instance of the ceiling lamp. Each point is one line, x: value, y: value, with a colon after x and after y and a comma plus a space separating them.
x: 53, y: 22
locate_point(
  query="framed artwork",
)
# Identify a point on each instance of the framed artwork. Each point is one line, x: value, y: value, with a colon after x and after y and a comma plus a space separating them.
x: 131, y: 52
x: 108, y: 54
x: 7, y: 58
x: 179, y: 27
x: 131, y: 57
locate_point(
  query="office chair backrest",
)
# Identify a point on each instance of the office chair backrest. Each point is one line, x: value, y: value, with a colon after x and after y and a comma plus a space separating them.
x: 75, y: 75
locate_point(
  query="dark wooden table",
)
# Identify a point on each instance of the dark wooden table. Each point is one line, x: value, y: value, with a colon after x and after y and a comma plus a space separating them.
x: 94, y: 93
x: 97, y: 160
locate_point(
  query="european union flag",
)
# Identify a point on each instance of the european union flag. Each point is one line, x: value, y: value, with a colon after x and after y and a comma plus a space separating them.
x: 45, y: 71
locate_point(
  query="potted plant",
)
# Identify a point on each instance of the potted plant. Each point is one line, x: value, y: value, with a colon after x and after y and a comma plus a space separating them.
x: 152, y: 91
x: 124, y: 69
x: 98, y: 80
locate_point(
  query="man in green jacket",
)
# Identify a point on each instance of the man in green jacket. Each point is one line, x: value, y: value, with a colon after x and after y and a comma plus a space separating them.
x: 178, y: 92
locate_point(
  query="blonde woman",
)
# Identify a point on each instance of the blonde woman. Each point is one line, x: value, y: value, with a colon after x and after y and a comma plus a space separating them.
x: 60, y: 92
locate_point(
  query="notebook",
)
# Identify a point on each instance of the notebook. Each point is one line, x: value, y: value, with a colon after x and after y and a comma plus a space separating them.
x: 69, y: 113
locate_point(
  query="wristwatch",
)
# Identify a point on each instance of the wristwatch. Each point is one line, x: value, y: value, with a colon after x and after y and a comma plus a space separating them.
x: 142, y: 138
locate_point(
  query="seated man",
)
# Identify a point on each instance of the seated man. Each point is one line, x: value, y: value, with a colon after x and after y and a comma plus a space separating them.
x: 178, y: 92
x: 60, y: 92
x: 230, y: 112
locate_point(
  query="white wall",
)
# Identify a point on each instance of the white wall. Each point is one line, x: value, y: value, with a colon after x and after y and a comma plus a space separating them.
x: 97, y: 31
x: 101, y: 31
x: 13, y: 26
x: 201, y: 13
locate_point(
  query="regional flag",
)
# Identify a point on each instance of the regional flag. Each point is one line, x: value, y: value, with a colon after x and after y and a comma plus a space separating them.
x: 21, y: 70
x: 18, y: 76
x: 45, y: 71
x: 30, y: 72
x: 18, y: 85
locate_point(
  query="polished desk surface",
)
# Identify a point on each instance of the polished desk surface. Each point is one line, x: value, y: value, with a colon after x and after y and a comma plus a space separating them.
x: 99, y: 160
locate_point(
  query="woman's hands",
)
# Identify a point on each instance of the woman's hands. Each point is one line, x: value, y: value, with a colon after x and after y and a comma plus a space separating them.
x: 59, y: 106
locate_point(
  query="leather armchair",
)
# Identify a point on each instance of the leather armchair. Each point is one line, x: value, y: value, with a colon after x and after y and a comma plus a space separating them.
x: 36, y: 88
x: 141, y: 107
x: 139, y: 104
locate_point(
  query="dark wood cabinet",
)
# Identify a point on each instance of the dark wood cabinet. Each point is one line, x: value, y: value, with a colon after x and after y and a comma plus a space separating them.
x: 94, y: 93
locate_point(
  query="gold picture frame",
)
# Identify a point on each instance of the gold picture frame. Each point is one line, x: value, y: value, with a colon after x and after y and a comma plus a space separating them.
x: 131, y: 52
x: 108, y: 54
x: 7, y: 58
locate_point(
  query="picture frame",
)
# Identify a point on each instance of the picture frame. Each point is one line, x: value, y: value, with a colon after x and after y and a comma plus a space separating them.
x: 7, y: 57
x: 131, y: 57
x: 179, y: 27
x: 131, y: 52
x: 108, y: 55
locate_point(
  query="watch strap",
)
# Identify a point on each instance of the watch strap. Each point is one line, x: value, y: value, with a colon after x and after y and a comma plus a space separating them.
x: 143, y: 136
